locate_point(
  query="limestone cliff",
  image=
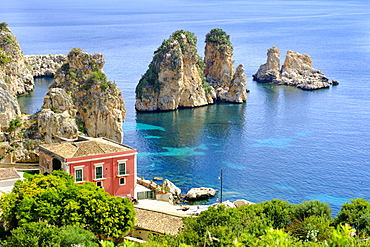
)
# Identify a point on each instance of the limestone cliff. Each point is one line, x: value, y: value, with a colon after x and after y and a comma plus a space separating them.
x: 96, y: 103
x: 9, y: 108
x: 45, y: 65
x: 219, y: 69
x: 175, y: 77
x: 13, y: 70
x: 296, y: 71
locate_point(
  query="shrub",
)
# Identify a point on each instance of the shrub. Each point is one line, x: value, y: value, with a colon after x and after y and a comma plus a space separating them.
x: 3, y: 26
x: 220, y: 38
x: 309, y: 208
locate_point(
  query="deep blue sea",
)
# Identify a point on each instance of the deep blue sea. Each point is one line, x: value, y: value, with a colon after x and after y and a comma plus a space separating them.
x: 283, y: 143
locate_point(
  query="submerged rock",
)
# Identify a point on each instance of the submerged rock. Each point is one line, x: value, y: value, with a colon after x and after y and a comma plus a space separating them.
x: 219, y: 70
x: 296, y: 71
x: 82, y: 93
x: 174, y: 78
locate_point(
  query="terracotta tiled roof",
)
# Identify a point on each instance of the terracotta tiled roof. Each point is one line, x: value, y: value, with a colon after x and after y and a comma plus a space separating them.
x: 160, y: 222
x: 8, y: 173
x: 90, y: 146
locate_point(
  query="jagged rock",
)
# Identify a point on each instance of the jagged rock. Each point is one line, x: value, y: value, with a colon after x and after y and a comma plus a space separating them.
x: 219, y: 69
x: 200, y: 193
x: 174, y: 78
x: 45, y: 65
x: 53, y: 124
x: 13, y: 70
x: 173, y: 189
x: 241, y: 202
x: 334, y: 82
x: 58, y: 100
x: 296, y: 71
x: 97, y: 103
x: 9, y: 108
x: 270, y: 71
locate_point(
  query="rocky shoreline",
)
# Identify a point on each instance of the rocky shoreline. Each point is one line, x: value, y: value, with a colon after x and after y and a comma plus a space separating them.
x: 45, y: 65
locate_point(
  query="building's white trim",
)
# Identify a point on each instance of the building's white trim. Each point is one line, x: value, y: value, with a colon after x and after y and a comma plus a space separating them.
x: 99, y: 164
x: 102, y: 158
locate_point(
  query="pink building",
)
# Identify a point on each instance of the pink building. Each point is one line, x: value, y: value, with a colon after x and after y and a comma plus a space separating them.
x: 106, y: 163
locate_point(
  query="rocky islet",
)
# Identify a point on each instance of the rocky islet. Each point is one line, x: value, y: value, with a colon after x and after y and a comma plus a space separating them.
x: 296, y: 71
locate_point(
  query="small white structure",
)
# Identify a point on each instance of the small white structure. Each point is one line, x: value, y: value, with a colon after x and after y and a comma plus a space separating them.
x: 8, y: 177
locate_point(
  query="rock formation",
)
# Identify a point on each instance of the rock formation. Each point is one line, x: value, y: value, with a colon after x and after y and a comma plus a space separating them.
x: 296, y: 71
x: 82, y: 91
x: 200, y: 193
x: 173, y: 189
x: 9, y: 108
x: 13, y: 69
x: 175, y: 77
x: 219, y: 69
x: 270, y: 71
x: 45, y: 65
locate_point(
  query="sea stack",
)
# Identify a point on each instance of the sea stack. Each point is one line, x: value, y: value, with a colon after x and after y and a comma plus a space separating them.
x: 175, y: 77
x: 82, y: 95
x: 296, y: 71
x: 219, y: 70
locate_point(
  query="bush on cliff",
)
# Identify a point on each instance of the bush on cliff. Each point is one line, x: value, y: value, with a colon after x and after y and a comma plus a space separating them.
x: 4, y: 26
x: 219, y: 37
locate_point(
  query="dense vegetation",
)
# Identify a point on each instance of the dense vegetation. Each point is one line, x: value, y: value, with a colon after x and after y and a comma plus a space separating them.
x: 275, y: 223
x: 220, y: 38
x: 57, y: 202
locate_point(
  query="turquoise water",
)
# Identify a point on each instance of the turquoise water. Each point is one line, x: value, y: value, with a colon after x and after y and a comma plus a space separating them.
x: 283, y: 143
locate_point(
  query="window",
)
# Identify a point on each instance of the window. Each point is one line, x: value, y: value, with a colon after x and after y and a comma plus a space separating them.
x: 98, y: 172
x: 78, y: 175
x: 99, y: 184
x: 122, y: 168
x: 122, y: 181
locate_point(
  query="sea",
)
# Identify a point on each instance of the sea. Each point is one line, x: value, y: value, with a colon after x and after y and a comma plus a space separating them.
x: 282, y: 143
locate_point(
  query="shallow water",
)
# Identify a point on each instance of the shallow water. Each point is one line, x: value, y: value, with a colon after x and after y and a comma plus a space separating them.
x: 283, y: 143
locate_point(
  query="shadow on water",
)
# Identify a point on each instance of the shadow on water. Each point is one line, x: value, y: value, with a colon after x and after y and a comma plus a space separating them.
x: 32, y: 102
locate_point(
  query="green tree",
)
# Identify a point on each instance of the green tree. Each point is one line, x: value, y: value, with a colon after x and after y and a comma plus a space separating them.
x: 73, y: 235
x: 356, y: 214
x: 57, y: 200
x: 307, y: 209
x: 34, y: 234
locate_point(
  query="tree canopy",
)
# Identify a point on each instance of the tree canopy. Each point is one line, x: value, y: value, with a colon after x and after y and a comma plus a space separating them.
x: 58, y: 201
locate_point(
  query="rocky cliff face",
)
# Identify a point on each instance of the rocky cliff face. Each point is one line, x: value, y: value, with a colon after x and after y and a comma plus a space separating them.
x: 296, y: 71
x: 13, y: 69
x: 9, y: 108
x: 175, y: 77
x: 81, y: 91
x: 45, y: 65
x: 219, y: 70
